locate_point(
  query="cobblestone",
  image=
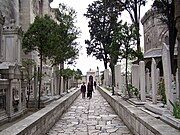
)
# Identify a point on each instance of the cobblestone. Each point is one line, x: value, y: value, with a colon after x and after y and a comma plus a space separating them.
x: 90, y: 117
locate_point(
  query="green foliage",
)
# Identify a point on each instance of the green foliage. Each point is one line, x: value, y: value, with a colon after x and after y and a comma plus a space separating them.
x: 28, y: 65
x: 78, y: 74
x: 126, y: 35
x: 176, y: 109
x: 133, y: 7
x: 39, y: 36
x: 161, y: 88
x: 103, y: 17
x: 133, y: 90
x: 68, y: 73
x: 66, y: 48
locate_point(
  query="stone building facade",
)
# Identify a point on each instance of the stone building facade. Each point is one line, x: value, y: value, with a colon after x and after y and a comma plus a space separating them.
x: 15, y: 17
x: 155, y: 34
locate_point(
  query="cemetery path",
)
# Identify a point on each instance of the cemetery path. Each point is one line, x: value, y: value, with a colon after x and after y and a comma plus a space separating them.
x: 90, y: 117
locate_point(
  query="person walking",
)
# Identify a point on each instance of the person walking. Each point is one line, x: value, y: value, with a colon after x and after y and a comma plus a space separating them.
x: 89, y: 89
x: 83, y: 90
x: 95, y: 84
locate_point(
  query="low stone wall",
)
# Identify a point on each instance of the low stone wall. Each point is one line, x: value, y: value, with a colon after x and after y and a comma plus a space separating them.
x: 138, y: 121
x: 40, y: 122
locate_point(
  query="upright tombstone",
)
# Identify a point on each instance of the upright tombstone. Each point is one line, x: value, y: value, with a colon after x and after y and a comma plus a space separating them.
x: 106, y: 77
x: 167, y: 73
x: 118, y: 78
x: 62, y: 84
x: 153, y: 80
x: 147, y: 81
x: 142, y: 80
x: 135, y: 75
x: 177, y: 18
x: 177, y: 85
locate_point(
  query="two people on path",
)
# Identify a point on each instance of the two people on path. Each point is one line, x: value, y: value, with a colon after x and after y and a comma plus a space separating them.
x: 89, y: 89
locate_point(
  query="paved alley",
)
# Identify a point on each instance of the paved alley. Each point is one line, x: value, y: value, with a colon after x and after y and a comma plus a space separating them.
x: 90, y: 117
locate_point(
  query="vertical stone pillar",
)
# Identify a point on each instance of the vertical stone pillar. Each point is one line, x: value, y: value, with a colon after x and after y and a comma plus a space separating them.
x: 177, y: 85
x: 118, y: 78
x: 62, y: 85
x: 142, y: 80
x: 153, y: 80
x: 106, y: 77
x: 9, y: 96
x: 167, y: 73
x: 177, y: 16
x: 147, y: 81
x: 135, y: 75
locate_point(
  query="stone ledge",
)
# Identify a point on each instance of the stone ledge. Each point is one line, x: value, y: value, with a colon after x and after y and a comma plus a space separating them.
x: 41, y: 121
x: 138, y: 121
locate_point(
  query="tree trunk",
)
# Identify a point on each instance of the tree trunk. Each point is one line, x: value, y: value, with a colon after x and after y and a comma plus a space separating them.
x: 172, y: 35
x: 40, y: 81
x: 113, y: 77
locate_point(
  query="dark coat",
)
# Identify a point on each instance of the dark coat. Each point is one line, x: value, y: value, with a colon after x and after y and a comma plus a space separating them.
x: 90, y: 87
x: 83, y: 88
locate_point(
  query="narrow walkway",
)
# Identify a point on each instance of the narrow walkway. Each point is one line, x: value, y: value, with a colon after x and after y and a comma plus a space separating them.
x: 90, y: 117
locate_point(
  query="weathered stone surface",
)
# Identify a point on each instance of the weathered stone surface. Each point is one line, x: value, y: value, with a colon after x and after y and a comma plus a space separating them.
x: 90, y: 117
x: 138, y: 121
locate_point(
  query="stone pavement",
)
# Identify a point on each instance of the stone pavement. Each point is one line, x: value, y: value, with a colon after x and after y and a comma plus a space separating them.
x: 90, y: 117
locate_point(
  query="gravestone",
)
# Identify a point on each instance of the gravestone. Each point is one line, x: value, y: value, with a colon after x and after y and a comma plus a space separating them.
x: 135, y: 75
x: 118, y: 79
x: 167, y: 73
x: 106, y: 77
x: 62, y: 85
x: 177, y: 85
x: 142, y: 80
x: 153, y: 80
x: 147, y: 81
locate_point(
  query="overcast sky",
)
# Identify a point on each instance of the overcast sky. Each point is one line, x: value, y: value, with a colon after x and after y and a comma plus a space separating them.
x: 84, y: 63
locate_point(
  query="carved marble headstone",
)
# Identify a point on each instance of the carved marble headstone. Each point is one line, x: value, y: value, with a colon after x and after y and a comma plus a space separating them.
x: 147, y: 81
x: 153, y: 80
x: 177, y: 85
x: 118, y: 78
x: 142, y: 80
x: 106, y: 77
x: 167, y: 73
x: 135, y: 75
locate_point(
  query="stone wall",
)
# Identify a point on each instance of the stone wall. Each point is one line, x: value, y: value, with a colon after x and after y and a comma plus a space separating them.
x: 40, y: 122
x: 7, y: 8
x: 138, y: 121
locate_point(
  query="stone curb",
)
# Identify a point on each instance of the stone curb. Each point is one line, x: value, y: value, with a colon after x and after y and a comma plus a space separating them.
x: 138, y: 121
x: 40, y: 122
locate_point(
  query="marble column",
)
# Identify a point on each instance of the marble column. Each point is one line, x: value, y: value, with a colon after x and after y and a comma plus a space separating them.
x: 106, y: 77
x: 177, y: 16
x: 167, y: 73
x: 142, y: 80
x: 135, y: 75
x: 62, y: 85
x: 118, y: 78
x: 147, y: 81
x: 177, y: 85
x: 153, y: 80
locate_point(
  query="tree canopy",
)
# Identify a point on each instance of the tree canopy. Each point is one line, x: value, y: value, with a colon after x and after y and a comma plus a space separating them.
x: 66, y: 47
x: 103, y: 15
